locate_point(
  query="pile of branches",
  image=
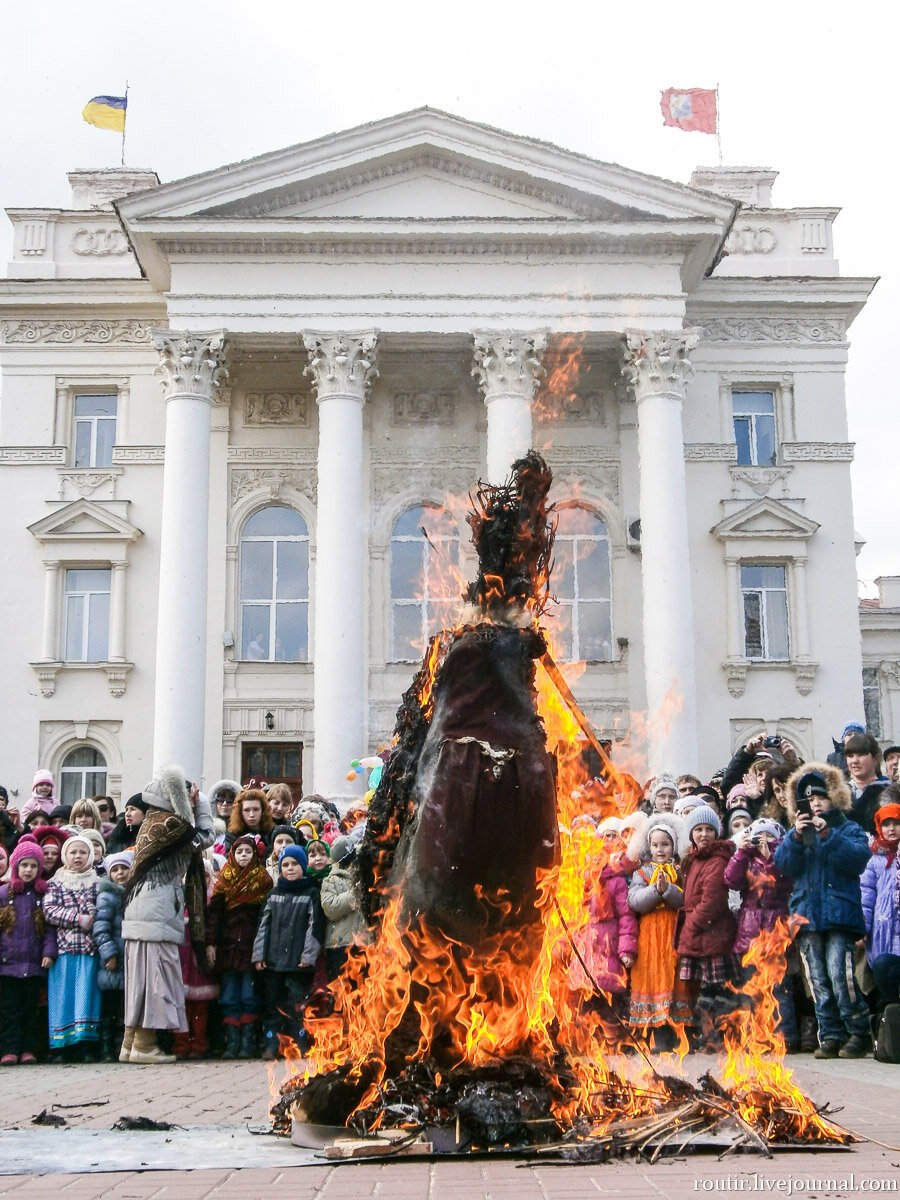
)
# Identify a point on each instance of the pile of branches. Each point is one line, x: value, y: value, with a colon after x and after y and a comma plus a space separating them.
x: 513, y: 1105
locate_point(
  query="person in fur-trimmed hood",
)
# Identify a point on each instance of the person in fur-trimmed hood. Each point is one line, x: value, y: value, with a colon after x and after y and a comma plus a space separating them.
x: 825, y: 854
x: 167, y: 872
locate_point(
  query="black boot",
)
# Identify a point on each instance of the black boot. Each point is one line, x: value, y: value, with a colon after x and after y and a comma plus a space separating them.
x: 232, y: 1040
x: 248, y: 1047
x: 109, y: 1040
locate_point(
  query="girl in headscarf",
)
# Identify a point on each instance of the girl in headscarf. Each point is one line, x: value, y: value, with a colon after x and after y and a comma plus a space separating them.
x: 73, y: 997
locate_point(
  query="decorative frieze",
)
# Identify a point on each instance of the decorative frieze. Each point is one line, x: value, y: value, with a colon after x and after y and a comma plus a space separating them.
x: 190, y: 364
x: 100, y: 243
x: 761, y: 480
x: 86, y: 483
x: 725, y: 452
x: 818, y: 451
x: 18, y: 456
x: 449, y: 480
x: 422, y: 408
x: 736, y: 676
x: 790, y: 330
x: 275, y: 408
x: 127, y: 455
x: 582, y: 456
x: 273, y: 483
x: 658, y: 362
x: 243, y: 719
x: 272, y: 454
x: 89, y: 333
x: 603, y: 478
x: 750, y: 239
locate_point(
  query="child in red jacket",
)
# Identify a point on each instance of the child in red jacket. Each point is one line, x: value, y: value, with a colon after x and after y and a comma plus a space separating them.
x: 705, y: 929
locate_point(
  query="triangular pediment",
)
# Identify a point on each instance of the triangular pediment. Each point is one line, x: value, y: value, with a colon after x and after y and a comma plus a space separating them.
x: 83, y: 521
x: 424, y: 164
x: 765, y: 519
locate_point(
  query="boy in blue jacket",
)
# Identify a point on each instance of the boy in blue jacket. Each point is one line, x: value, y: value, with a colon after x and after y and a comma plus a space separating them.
x: 826, y: 853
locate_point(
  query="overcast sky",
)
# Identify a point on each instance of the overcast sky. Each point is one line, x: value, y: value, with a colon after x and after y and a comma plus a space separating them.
x: 809, y: 90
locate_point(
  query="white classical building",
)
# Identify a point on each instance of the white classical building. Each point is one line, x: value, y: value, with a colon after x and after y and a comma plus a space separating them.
x: 241, y: 414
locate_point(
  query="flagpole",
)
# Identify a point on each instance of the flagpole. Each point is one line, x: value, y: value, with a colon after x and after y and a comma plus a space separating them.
x: 718, y: 125
x: 125, y: 122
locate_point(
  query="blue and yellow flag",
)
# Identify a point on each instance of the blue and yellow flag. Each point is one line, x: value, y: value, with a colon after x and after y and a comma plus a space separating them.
x: 106, y: 112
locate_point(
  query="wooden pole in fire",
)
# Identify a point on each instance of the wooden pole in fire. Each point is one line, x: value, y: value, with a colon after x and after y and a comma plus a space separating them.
x: 575, y: 708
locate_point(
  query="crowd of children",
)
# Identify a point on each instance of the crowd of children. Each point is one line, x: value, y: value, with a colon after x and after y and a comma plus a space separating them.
x: 267, y: 911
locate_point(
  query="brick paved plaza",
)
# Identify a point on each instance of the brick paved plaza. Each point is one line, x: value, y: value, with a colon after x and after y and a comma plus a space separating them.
x: 223, y: 1099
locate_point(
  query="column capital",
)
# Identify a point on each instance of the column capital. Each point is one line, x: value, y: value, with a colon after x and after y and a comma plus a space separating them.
x: 340, y: 364
x: 658, y: 362
x: 508, y: 363
x: 190, y: 364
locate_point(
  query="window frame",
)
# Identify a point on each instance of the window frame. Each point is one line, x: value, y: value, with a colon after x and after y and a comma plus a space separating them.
x: 93, y: 421
x: 575, y: 602
x: 763, y: 592
x: 751, y: 418
x: 89, y: 606
x: 429, y: 553
x: 67, y: 772
x: 274, y: 601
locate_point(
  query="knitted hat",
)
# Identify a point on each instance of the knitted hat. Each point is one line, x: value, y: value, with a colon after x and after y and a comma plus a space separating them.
x: 812, y: 783
x: 850, y: 727
x: 663, y: 782
x: 707, y: 793
x: 26, y: 847
x: 767, y: 825
x: 41, y: 776
x: 609, y: 825
x: 246, y: 839
x: 342, y: 848
x: 96, y: 837
x: 737, y: 796
x: 293, y: 852
x: 62, y: 812
x: 737, y: 812
x: 704, y: 815
x: 886, y: 812
x: 684, y: 804
x: 78, y: 840
x: 284, y: 829
x: 49, y: 833
x: 124, y: 858
x: 138, y: 801
x: 668, y: 823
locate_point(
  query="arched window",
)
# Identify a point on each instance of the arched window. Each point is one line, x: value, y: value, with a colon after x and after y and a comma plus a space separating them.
x: 425, y: 589
x: 274, y: 589
x: 581, y: 623
x: 83, y: 773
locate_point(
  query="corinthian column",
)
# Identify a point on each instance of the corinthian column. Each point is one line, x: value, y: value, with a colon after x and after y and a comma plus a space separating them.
x: 191, y: 369
x: 508, y: 369
x: 657, y: 366
x: 341, y: 367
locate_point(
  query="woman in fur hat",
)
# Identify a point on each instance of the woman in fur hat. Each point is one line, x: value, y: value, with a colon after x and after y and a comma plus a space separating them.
x: 656, y: 893
x: 167, y: 873
x: 825, y: 854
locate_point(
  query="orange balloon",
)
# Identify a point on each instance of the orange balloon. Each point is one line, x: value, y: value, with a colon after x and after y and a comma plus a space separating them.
x: 351, y: 775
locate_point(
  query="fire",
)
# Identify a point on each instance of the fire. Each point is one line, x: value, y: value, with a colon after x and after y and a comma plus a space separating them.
x: 563, y: 366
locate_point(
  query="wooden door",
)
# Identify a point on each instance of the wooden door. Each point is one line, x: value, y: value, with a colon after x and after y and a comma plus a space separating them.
x: 273, y: 762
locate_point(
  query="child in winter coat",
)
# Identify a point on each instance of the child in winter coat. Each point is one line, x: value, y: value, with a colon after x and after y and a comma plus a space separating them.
x: 199, y: 987
x: 111, y: 949
x: 765, y: 893
x: 879, y: 888
x: 41, y: 799
x: 825, y: 855
x: 342, y: 907
x: 705, y: 927
x: 72, y: 993
x: 282, y: 835
x: 237, y: 900
x: 607, y: 943
x: 27, y: 949
x: 286, y: 949
x: 656, y: 894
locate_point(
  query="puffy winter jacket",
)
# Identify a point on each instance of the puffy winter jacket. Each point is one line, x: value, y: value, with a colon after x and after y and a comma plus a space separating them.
x: 706, y: 925
x: 21, y: 950
x: 826, y: 876
x: 765, y: 894
x: 286, y: 939
x: 878, y: 887
x: 340, y: 903
x: 610, y: 932
x: 108, y: 934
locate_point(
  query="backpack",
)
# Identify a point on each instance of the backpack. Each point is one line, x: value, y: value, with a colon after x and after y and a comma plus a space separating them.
x: 887, y: 1040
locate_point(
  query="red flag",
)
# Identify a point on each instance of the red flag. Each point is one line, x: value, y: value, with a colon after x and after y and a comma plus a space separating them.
x: 692, y: 109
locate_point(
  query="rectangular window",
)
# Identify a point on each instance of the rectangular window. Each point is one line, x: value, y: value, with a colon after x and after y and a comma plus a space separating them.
x: 754, y: 428
x: 764, y: 593
x: 872, y: 701
x: 95, y: 430
x: 86, y: 633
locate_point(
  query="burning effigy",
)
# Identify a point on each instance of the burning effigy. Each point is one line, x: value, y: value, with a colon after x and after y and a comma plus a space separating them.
x: 458, y: 1028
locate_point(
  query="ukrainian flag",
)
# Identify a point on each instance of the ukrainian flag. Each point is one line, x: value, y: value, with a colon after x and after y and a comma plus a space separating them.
x: 106, y: 112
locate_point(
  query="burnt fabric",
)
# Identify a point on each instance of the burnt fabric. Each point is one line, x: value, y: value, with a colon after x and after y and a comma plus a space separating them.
x: 486, y: 813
